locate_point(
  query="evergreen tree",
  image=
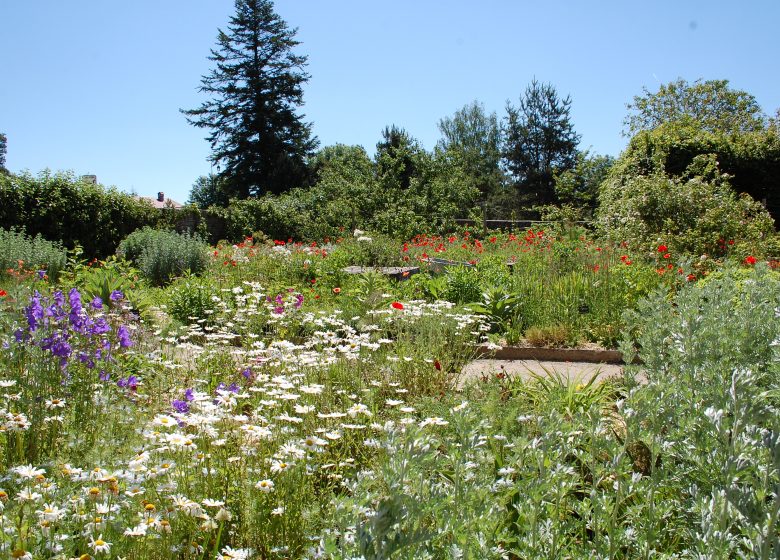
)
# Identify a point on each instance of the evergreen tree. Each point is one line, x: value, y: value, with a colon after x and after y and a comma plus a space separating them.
x: 398, y: 158
x: 255, y: 87
x: 3, y: 149
x: 540, y: 141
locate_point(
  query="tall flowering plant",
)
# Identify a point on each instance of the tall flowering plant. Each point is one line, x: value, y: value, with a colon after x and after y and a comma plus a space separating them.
x: 64, y: 356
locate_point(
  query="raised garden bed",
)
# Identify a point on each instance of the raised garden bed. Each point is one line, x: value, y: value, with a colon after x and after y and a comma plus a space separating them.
x: 596, y: 355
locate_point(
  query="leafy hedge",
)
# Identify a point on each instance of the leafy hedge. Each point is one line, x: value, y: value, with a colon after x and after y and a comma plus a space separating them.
x: 61, y: 207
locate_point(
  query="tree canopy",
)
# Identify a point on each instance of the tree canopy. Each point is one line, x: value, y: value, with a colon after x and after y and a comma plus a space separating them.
x: 711, y: 105
x: 471, y: 139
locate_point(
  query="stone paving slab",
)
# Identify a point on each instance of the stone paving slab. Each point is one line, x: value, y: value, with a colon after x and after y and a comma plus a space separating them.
x: 525, y: 369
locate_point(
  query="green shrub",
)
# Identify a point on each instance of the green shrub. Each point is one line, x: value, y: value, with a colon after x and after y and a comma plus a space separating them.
x: 688, y: 204
x: 190, y: 298
x: 20, y: 251
x: 463, y: 285
x: 162, y: 255
x: 555, y: 336
x: 369, y: 250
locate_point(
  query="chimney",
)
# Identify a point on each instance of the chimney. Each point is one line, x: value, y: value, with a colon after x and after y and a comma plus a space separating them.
x: 160, y: 197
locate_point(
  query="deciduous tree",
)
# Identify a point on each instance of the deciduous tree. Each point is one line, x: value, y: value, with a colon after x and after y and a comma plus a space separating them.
x: 711, y: 105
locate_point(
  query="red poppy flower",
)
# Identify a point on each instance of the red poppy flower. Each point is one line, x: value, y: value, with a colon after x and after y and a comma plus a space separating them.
x: 691, y: 277
x: 662, y: 248
x: 750, y: 259
x: 397, y: 305
x: 437, y: 364
x: 3, y: 293
x: 337, y: 291
x: 667, y: 256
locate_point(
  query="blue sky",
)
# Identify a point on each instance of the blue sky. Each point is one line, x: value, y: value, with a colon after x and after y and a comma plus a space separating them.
x: 96, y: 86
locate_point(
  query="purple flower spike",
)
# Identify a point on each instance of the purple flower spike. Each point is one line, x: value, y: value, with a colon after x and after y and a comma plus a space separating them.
x: 116, y: 296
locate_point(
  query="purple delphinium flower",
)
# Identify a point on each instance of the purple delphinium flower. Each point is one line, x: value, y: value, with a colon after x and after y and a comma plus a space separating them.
x: 34, y: 312
x: 104, y: 376
x: 74, y: 297
x: 99, y: 327
x: 189, y: 395
x: 180, y: 406
x: 248, y: 374
x: 123, y: 335
x: 87, y: 360
x: 61, y: 349
x: 97, y: 303
x: 130, y: 382
x: 116, y: 296
x: 76, y: 316
x: 41, y: 274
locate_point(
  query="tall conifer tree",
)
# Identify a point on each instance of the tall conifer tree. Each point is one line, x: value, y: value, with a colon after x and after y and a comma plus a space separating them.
x: 540, y: 141
x: 257, y: 138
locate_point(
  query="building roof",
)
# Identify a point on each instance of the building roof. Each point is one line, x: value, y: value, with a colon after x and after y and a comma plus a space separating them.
x: 161, y: 202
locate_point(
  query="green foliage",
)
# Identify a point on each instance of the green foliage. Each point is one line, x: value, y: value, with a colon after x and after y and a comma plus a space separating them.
x: 463, y: 285
x: 254, y: 129
x: 710, y: 105
x: 162, y: 255
x: 554, y: 391
x: 500, y: 308
x: 209, y: 190
x: 102, y: 278
x: 692, y: 215
x: 3, y: 152
x: 349, y: 195
x: 191, y: 299
x: 709, y: 411
x: 751, y: 159
x: 579, y: 187
x: 364, y: 250
x: 20, y: 252
x: 61, y: 207
x: 540, y: 141
x: 399, y: 158
x: 471, y: 142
